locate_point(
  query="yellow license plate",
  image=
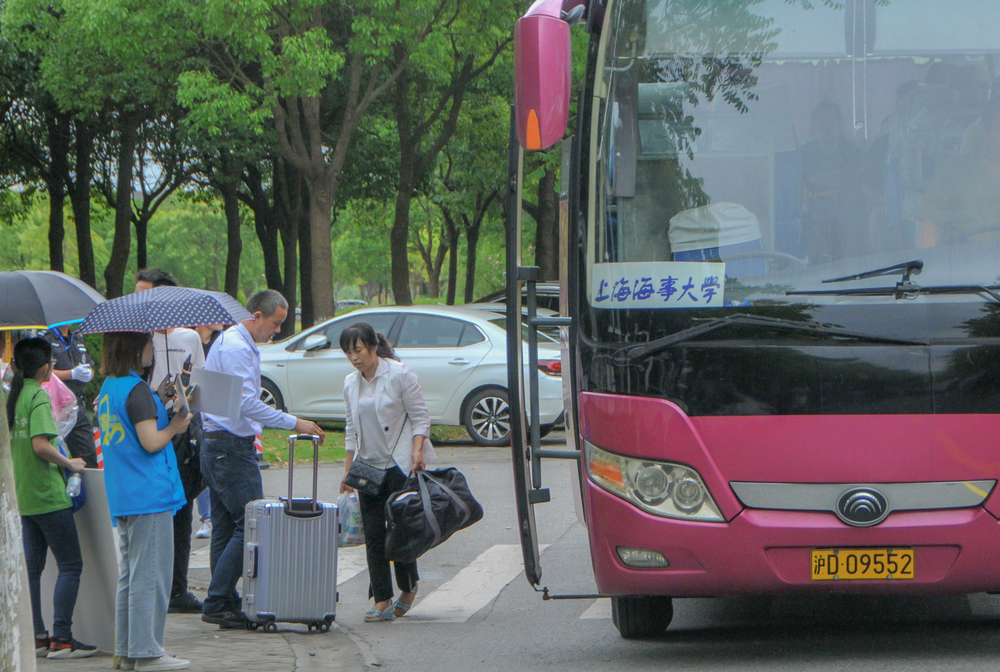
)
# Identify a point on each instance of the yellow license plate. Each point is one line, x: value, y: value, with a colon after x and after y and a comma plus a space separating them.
x: 859, y: 564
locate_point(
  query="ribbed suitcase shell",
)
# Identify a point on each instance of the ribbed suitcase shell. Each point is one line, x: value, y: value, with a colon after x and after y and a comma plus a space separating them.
x: 290, y: 564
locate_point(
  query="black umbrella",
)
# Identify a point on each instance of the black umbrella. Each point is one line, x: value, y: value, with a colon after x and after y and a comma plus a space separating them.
x: 164, y: 308
x: 43, y: 299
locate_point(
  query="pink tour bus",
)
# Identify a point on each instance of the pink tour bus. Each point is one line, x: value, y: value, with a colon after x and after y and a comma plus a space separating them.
x: 780, y: 313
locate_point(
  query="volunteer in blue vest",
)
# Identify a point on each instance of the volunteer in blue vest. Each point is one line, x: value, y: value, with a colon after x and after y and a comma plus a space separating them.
x: 228, y: 456
x: 144, y: 491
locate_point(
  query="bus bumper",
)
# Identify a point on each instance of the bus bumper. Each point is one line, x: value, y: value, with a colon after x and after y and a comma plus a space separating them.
x: 769, y: 552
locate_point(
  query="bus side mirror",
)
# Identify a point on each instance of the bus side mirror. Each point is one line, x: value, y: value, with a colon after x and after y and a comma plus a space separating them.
x: 543, y: 70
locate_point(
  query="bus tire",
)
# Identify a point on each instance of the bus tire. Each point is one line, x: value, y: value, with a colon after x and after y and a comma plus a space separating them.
x: 641, y: 617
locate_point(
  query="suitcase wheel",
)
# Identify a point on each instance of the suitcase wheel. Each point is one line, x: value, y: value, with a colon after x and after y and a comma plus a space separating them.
x: 270, y: 626
x: 252, y: 625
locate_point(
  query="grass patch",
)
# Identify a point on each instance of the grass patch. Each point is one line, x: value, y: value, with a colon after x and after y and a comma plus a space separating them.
x: 276, y: 443
x: 276, y: 446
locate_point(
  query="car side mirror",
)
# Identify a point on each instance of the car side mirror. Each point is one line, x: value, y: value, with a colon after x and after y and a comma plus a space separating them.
x: 542, y: 74
x: 316, y: 342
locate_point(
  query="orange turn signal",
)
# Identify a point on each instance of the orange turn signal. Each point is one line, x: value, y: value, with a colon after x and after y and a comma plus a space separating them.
x: 533, y: 136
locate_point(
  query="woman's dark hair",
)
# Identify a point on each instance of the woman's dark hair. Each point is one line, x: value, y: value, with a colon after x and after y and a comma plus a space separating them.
x: 364, y: 333
x: 30, y: 355
x: 122, y: 353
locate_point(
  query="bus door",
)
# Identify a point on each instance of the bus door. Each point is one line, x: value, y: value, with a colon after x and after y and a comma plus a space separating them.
x: 526, y: 448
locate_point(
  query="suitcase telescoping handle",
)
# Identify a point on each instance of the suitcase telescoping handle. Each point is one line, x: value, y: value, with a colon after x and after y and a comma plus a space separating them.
x: 291, y: 466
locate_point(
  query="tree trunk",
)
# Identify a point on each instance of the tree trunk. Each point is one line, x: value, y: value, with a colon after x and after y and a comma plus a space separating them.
x: 265, y: 223
x: 321, y: 253
x: 58, y: 136
x: 17, y: 646
x: 80, y: 200
x: 305, y: 272
x: 288, y: 193
x: 141, y: 233
x: 399, y: 240
x: 547, y: 227
x: 234, y: 243
x: 114, y: 272
x: 471, y: 243
x: 453, y: 237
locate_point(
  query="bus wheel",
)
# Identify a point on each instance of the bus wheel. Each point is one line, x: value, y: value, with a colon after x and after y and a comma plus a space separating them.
x: 641, y: 617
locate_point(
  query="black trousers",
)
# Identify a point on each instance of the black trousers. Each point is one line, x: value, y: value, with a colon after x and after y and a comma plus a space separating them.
x: 182, y: 549
x: 373, y: 519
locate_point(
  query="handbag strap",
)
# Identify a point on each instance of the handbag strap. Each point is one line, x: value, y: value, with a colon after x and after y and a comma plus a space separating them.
x: 466, y: 511
x: 425, y: 497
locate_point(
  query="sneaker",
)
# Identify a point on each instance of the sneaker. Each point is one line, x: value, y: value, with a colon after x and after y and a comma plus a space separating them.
x: 167, y: 662
x: 205, y: 531
x: 71, y: 648
x: 185, y: 603
x: 226, y: 620
x: 42, y: 647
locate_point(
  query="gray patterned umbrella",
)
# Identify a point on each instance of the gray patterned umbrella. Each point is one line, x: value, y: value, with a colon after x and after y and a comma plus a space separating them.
x: 163, y: 308
x: 43, y: 299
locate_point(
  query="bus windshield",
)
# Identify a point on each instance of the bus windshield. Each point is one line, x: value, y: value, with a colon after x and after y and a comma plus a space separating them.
x: 749, y: 151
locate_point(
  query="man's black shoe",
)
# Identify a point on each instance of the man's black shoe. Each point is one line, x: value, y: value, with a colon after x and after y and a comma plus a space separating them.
x: 185, y: 603
x: 226, y: 620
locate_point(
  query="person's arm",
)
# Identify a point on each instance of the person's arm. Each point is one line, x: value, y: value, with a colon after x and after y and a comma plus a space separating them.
x: 241, y: 363
x: 154, y: 440
x: 45, y: 450
x: 350, y: 437
x: 416, y: 409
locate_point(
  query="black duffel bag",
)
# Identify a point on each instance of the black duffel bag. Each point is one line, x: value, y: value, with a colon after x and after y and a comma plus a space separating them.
x: 431, y: 507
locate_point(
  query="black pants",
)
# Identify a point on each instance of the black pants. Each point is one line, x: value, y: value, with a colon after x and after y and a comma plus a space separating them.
x: 182, y: 549
x: 373, y: 519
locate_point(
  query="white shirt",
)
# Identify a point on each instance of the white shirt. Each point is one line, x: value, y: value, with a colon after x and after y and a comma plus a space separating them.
x: 374, y: 444
x: 235, y: 353
x: 174, y: 348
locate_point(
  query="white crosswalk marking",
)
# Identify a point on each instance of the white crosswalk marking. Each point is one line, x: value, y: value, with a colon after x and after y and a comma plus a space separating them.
x: 474, y: 587
x: 599, y: 609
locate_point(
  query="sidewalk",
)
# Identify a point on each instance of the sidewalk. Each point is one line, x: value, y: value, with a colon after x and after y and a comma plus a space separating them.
x: 211, y: 650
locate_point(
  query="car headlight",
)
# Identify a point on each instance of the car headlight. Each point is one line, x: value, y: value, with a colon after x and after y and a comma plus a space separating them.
x: 661, y: 488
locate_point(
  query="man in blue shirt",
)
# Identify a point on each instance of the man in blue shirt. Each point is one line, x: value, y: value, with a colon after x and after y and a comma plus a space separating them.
x: 228, y: 456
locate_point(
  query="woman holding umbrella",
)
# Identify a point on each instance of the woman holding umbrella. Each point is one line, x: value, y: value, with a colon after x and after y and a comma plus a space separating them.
x: 144, y: 490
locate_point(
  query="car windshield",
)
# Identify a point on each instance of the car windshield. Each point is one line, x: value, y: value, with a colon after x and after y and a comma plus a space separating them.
x: 542, y: 336
x: 752, y: 148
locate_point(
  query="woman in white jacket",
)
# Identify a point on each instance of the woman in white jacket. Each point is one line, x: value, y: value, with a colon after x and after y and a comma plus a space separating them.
x: 387, y: 423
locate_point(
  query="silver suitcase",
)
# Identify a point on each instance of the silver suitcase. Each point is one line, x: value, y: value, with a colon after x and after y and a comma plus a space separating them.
x: 290, y: 559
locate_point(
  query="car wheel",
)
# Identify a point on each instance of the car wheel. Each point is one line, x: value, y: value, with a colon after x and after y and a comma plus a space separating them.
x: 270, y: 395
x: 487, y: 417
x: 641, y: 617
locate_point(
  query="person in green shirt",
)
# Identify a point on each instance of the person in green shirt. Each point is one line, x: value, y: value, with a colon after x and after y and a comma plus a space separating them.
x: 46, y: 510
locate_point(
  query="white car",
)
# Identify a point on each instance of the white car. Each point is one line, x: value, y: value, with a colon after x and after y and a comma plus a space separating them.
x: 459, y: 355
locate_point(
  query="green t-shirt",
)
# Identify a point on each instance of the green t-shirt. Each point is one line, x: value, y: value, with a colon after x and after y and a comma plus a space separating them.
x: 40, y: 485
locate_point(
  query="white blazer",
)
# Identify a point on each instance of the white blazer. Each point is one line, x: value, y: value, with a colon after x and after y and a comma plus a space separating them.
x: 399, y: 405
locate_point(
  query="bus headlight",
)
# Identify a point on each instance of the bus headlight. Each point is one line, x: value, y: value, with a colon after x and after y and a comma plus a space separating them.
x: 661, y: 488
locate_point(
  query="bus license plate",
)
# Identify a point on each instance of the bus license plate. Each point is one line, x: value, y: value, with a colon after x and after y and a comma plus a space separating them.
x: 855, y: 564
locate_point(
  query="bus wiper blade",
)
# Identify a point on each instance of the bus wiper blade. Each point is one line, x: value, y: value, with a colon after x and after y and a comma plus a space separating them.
x: 635, y: 352
x: 903, y: 290
x: 907, y: 267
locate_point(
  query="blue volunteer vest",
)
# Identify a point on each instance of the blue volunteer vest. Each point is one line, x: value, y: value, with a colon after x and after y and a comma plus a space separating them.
x: 137, y: 481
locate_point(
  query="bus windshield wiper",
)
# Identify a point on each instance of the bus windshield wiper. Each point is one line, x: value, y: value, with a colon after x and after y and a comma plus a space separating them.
x: 904, y: 290
x: 742, y: 319
x: 907, y: 267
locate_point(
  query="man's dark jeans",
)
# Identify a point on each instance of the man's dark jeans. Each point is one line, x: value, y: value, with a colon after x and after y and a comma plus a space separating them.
x: 182, y: 549
x: 56, y: 530
x: 230, y: 468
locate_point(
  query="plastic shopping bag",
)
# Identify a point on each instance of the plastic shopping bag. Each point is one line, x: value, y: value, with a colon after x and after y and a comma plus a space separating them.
x: 352, y: 532
x: 64, y: 405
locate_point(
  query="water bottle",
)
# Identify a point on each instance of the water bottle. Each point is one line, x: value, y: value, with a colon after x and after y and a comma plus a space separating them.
x: 73, y: 485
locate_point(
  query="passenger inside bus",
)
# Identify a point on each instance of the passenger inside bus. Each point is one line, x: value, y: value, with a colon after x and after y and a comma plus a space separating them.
x: 831, y: 179
x: 962, y: 203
